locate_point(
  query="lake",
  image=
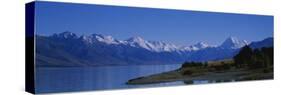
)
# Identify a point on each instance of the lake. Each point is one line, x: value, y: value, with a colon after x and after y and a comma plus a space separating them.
x: 67, y: 79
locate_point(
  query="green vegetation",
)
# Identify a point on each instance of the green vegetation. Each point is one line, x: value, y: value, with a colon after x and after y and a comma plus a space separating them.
x: 254, y: 59
x: 247, y: 58
x: 191, y: 68
x: 248, y: 64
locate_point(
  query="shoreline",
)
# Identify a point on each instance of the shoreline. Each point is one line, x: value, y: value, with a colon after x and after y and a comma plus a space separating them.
x: 223, y: 76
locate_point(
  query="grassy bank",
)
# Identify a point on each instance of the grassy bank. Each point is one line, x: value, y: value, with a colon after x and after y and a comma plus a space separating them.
x: 248, y: 64
x: 219, y: 71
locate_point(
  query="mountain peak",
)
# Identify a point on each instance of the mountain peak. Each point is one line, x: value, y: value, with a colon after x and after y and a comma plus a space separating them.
x: 201, y: 45
x: 96, y: 35
x: 233, y: 43
x: 136, y: 39
x: 103, y: 38
x: 197, y: 46
x: 65, y: 35
x: 233, y: 39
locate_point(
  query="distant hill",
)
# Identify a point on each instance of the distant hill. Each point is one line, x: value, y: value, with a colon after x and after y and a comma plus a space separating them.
x: 268, y: 42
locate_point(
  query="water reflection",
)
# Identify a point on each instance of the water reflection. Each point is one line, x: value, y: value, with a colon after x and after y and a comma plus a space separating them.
x: 96, y: 78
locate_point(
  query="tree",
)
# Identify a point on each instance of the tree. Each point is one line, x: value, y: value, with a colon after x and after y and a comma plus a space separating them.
x: 192, y: 64
x: 244, y: 56
x: 257, y: 58
x: 269, y: 54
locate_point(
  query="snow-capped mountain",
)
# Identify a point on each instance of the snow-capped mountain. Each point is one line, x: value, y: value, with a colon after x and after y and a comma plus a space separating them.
x: 139, y: 43
x: 99, y: 38
x: 198, y: 46
x: 65, y: 35
x: 68, y: 49
x: 161, y: 46
x: 201, y: 45
x: 233, y: 43
x: 155, y: 46
x: 136, y: 42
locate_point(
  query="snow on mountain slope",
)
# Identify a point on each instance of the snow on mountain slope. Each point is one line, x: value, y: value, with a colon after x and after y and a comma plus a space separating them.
x: 233, y: 43
x: 198, y: 46
x: 96, y: 49
x: 155, y: 46
x: 65, y: 35
x: 139, y: 42
x: 99, y: 38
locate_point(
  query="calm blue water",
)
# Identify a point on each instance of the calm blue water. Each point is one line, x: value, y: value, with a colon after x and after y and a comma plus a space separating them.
x: 51, y: 79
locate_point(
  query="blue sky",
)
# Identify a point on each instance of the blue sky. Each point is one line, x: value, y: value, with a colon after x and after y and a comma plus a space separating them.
x: 172, y: 26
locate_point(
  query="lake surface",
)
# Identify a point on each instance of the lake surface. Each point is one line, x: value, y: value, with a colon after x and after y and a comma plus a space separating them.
x: 65, y: 79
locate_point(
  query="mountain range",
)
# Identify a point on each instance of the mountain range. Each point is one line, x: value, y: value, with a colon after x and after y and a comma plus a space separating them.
x: 68, y: 49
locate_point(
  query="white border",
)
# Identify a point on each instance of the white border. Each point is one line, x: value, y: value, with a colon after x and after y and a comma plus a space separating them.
x: 12, y: 46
